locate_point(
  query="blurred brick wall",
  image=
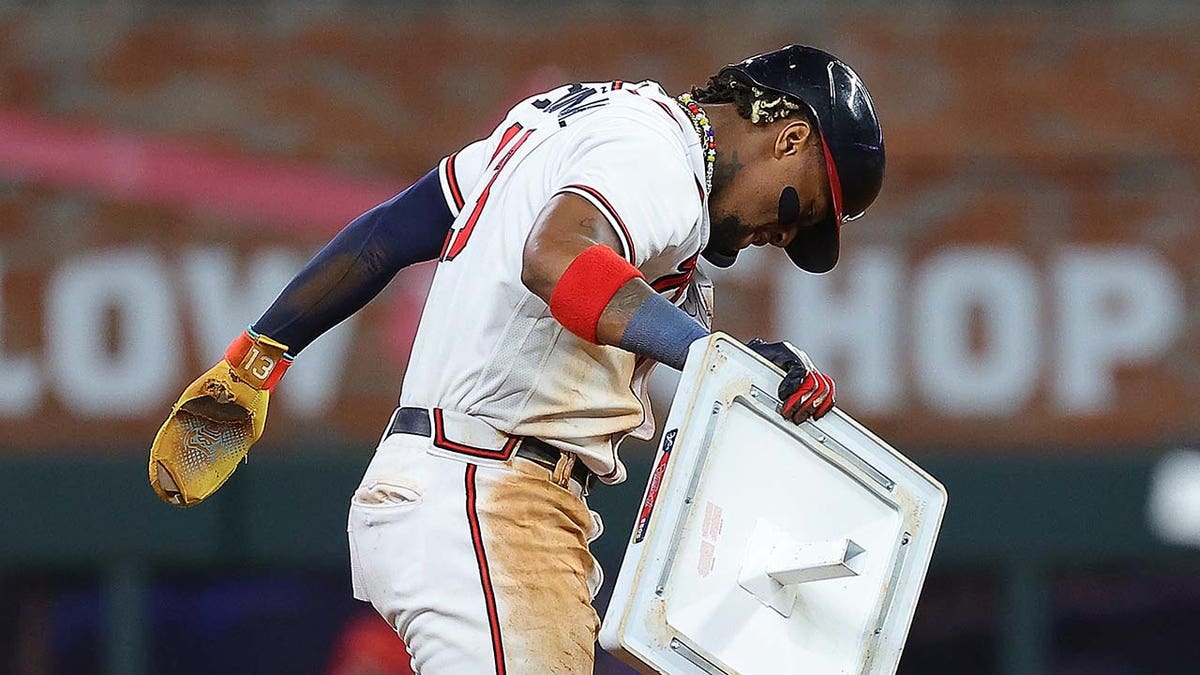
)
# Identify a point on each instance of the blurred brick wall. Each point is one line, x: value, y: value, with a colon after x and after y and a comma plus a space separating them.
x: 1020, y: 134
x: 389, y: 92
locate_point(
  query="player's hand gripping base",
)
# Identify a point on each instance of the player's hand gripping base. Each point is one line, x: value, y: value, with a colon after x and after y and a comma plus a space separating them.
x: 215, y: 421
x: 805, y: 391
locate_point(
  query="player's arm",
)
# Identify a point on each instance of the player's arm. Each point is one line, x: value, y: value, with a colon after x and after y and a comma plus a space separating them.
x: 358, y: 263
x: 222, y: 413
x: 570, y: 260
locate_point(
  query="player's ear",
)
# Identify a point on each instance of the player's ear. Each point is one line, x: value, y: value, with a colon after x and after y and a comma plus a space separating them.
x: 792, y: 138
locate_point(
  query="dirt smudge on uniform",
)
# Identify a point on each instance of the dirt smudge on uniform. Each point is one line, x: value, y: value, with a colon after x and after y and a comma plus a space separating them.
x: 537, y: 550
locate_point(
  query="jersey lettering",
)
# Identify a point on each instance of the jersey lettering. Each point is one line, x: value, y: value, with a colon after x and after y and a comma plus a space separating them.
x: 636, y: 165
x: 461, y: 236
x: 573, y: 102
x: 676, y: 284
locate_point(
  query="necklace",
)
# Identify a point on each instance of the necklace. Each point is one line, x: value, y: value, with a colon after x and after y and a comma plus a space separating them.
x: 708, y: 142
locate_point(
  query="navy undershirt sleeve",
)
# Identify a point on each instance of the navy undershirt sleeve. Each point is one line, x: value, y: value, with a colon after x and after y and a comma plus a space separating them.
x: 358, y: 263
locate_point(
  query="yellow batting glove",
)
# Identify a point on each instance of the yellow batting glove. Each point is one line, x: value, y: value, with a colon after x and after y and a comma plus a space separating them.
x: 215, y: 421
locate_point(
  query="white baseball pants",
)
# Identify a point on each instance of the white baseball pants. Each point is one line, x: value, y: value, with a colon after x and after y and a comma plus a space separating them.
x: 480, y: 567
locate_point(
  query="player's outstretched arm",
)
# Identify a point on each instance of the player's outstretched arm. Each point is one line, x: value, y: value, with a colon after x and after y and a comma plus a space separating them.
x: 570, y: 260
x: 358, y: 263
x: 223, y: 412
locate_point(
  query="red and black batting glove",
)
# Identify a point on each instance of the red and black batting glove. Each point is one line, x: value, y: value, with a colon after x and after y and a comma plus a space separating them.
x: 805, y: 391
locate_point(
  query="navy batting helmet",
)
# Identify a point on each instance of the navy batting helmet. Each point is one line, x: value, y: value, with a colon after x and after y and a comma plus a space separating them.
x: 851, y: 137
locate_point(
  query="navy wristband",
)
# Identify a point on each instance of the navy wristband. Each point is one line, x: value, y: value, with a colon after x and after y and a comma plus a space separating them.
x: 661, y: 331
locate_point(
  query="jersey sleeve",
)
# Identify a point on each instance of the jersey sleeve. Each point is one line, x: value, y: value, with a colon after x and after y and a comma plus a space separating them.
x: 639, y: 178
x: 460, y: 171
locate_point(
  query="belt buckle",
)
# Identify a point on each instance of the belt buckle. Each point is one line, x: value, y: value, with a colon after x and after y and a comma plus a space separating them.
x: 562, y: 469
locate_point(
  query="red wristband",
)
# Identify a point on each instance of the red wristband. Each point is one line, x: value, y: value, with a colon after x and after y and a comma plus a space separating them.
x: 258, y: 360
x: 587, y: 286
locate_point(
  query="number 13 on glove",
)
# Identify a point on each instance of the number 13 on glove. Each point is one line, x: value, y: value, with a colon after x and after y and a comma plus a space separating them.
x: 215, y: 421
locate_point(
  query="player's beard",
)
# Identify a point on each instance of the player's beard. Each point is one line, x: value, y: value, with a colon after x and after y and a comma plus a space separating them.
x: 724, y: 237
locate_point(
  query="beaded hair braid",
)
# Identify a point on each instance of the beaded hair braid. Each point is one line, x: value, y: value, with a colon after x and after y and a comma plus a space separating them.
x: 753, y: 103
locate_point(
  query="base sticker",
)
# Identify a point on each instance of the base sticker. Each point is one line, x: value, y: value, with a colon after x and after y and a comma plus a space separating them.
x: 709, y: 533
x: 660, y: 468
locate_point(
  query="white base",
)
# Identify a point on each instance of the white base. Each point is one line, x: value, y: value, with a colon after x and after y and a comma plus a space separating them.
x: 774, y: 565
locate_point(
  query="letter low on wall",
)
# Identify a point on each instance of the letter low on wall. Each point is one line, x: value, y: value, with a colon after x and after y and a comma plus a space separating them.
x: 987, y: 330
x: 1028, y: 304
x: 986, y: 345
x: 123, y: 329
x: 1026, y: 279
x: 969, y: 344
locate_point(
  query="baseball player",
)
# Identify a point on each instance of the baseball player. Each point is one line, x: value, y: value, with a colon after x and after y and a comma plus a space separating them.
x: 568, y: 243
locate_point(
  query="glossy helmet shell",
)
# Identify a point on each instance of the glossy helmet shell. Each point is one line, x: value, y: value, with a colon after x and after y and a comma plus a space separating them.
x: 850, y: 134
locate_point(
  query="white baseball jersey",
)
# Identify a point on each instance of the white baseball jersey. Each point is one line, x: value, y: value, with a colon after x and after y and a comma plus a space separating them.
x: 487, y: 346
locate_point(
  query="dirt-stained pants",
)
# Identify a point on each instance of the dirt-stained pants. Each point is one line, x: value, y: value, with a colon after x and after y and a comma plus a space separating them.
x: 481, y: 568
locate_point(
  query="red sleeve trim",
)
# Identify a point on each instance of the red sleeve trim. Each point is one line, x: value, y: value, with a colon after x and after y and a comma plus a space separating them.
x: 452, y: 182
x: 613, y: 217
x: 667, y: 110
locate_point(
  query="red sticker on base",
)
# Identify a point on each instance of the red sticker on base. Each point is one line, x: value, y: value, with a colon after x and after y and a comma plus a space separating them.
x: 710, y: 532
x: 655, y: 483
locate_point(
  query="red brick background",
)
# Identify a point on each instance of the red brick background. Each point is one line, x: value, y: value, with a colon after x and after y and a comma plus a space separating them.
x: 1027, y: 131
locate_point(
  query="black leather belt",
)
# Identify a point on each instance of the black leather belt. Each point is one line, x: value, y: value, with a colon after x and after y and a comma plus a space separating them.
x: 416, y: 421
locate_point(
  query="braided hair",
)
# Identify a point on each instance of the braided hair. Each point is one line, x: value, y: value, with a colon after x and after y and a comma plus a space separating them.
x: 753, y: 103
